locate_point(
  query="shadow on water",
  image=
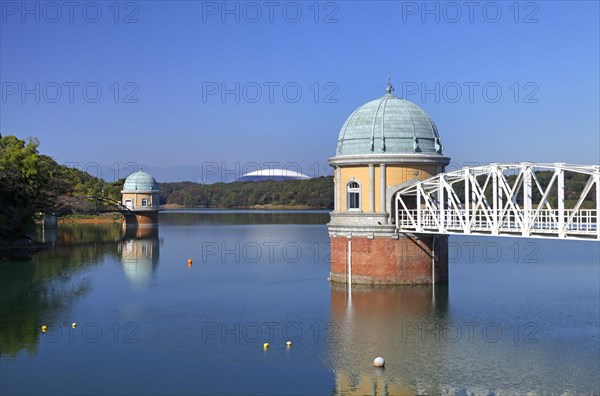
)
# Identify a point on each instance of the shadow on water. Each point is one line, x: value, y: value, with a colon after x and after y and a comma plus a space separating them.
x: 39, y: 290
x: 387, y: 322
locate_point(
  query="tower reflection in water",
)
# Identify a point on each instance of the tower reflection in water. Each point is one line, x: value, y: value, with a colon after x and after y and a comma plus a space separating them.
x: 401, y: 324
x: 139, y: 255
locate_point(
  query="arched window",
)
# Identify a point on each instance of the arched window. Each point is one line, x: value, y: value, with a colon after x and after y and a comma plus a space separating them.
x: 353, y: 196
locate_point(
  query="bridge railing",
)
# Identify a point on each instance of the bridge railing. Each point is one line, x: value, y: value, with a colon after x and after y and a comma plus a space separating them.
x: 112, y: 205
x: 503, y: 199
x: 545, y: 221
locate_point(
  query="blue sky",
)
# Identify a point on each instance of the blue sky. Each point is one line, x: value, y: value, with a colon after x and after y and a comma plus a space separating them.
x: 503, y: 81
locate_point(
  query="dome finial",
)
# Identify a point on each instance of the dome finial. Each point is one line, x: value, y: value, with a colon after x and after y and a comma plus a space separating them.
x: 390, y: 87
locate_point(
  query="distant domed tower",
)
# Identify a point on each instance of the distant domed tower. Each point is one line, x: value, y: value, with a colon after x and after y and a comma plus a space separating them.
x: 140, y: 195
x: 385, y: 145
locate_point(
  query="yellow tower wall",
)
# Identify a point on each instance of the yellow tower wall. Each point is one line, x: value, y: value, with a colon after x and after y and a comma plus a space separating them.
x: 395, y: 174
x: 136, y: 198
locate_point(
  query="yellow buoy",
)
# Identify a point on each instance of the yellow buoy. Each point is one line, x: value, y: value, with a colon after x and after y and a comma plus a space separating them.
x: 288, y: 344
x: 73, y: 325
x: 44, y: 328
x: 266, y: 345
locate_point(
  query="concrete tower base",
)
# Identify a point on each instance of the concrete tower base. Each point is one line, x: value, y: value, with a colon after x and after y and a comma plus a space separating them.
x: 396, y: 260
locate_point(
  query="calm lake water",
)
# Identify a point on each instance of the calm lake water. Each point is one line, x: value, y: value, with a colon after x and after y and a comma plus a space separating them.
x: 519, y: 315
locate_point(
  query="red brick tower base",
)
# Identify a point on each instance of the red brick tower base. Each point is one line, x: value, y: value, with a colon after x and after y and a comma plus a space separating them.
x: 406, y: 260
x: 141, y: 218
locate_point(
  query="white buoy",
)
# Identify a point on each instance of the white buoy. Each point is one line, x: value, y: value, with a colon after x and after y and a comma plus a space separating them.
x: 379, y: 362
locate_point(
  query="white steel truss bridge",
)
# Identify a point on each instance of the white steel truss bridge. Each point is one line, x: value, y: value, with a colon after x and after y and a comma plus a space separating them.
x: 522, y: 199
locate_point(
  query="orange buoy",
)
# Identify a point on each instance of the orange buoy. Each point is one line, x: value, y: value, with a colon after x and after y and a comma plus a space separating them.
x: 189, y: 262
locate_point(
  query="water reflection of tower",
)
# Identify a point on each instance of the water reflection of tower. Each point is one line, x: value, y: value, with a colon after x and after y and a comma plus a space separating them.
x: 140, y: 254
x: 403, y: 324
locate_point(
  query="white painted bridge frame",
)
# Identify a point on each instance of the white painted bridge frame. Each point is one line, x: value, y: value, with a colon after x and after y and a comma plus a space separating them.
x: 433, y: 206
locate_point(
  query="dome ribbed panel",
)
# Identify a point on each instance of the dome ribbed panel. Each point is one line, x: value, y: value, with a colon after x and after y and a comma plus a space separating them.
x: 140, y: 181
x: 388, y: 125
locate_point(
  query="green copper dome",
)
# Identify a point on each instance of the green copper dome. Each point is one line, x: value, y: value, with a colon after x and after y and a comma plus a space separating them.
x: 140, y: 181
x: 389, y: 125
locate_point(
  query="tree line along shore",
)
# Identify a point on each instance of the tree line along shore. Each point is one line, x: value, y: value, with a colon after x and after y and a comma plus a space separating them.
x: 32, y: 183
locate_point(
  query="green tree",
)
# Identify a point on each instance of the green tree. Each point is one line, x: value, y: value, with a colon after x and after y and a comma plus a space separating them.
x: 23, y: 179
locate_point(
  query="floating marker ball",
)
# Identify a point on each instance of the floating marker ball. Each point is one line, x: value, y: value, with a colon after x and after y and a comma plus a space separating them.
x: 73, y: 325
x: 190, y: 262
x: 288, y: 344
x: 44, y: 328
x: 266, y: 345
x: 379, y: 362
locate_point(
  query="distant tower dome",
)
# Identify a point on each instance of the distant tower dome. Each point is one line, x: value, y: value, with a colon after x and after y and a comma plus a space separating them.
x: 140, y: 181
x: 389, y: 125
x: 141, y: 199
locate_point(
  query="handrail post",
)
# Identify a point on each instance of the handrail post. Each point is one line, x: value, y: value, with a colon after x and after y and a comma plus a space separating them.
x: 597, y: 180
x: 527, y: 196
x: 468, y: 201
x: 561, y: 202
x: 495, y: 199
x: 441, y: 206
x: 419, y: 214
